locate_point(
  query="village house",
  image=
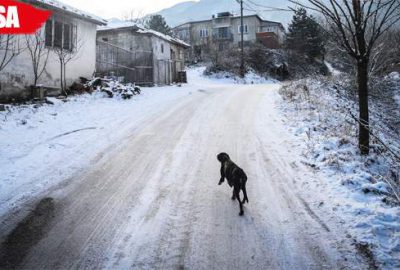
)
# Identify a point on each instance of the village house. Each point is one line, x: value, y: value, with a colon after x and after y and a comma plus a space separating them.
x: 223, y: 31
x: 70, y: 32
x: 139, y: 55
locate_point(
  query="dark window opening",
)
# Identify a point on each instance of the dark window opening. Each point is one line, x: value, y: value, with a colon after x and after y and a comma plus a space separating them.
x: 58, y: 29
x: 162, y: 48
x: 67, y: 37
x: 60, y: 35
x: 223, y: 32
x: 48, y: 40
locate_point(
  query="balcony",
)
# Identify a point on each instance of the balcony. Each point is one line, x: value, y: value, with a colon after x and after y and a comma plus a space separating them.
x: 222, y: 34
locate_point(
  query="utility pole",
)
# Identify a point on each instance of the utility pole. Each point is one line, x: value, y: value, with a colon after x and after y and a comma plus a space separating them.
x: 241, y: 43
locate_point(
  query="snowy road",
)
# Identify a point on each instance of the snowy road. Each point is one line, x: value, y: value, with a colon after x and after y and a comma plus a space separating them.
x: 152, y: 201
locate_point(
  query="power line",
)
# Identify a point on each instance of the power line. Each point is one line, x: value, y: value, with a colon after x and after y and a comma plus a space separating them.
x: 266, y: 8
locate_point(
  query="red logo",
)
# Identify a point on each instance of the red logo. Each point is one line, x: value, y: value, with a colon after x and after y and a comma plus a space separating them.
x: 20, y: 18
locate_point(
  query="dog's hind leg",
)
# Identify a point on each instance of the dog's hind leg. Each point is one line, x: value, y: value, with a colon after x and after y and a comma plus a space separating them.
x: 245, y: 199
x: 233, y: 195
x: 237, y: 194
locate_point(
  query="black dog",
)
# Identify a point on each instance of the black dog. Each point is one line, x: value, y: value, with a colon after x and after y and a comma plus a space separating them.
x: 236, y: 178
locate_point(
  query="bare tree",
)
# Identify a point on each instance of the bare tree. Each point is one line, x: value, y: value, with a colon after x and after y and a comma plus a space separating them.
x: 38, y: 52
x: 65, y: 56
x: 10, y: 47
x: 135, y: 16
x: 357, y: 26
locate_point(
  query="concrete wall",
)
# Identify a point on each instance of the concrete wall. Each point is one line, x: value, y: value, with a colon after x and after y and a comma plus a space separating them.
x: 18, y: 75
x: 196, y: 39
x: 253, y: 26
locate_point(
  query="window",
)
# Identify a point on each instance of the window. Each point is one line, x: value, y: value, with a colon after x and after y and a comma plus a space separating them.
x: 203, y: 32
x: 184, y: 34
x: 162, y: 48
x: 49, y: 33
x: 246, y: 29
x: 223, y: 32
x: 67, y: 37
x: 60, y: 35
x: 58, y: 31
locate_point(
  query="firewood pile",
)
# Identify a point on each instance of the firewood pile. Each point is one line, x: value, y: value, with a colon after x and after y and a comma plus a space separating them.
x: 114, y: 88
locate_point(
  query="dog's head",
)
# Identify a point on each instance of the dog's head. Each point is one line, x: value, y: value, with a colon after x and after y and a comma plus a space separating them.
x: 222, y: 157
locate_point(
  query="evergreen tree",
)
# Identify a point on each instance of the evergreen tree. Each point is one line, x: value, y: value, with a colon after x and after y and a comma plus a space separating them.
x: 158, y: 23
x: 305, y: 35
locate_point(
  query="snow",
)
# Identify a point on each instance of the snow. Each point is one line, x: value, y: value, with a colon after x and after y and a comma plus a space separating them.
x: 355, y: 185
x: 331, y: 69
x: 41, y: 147
x: 395, y: 77
x: 251, y: 77
x: 115, y: 24
x: 32, y: 156
x: 142, y: 30
x: 62, y: 6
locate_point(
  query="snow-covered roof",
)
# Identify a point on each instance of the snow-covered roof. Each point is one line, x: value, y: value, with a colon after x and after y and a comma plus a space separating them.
x: 141, y: 30
x: 57, y: 5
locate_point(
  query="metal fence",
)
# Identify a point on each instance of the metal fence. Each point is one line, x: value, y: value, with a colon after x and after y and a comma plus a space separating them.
x: 131, y: 66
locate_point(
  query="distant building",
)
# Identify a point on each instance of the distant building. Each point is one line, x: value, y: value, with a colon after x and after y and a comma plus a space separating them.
x: 223, y: 30
x: 70, y: 30
x: 139, y: 55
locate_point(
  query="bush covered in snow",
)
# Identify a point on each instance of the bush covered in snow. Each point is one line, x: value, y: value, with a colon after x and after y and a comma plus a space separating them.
x: 327, y: 110
x: 322, y: 112
x: 269, y: 63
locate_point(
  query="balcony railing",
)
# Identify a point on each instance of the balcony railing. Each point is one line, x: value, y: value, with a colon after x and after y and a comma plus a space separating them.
x: 222, y: 34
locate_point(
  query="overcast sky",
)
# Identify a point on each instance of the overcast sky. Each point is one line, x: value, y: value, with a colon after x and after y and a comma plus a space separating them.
x: 118, y: 8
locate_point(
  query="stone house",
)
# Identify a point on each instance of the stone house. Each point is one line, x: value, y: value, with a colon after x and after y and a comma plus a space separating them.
x: 224, y: 30
x: 69, y: 29
x: 139, y: 55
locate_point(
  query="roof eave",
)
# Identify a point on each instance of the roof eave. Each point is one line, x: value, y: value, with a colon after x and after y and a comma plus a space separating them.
x: 58, y: 9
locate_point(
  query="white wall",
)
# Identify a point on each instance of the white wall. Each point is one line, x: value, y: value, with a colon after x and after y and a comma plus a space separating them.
x: 18, y: 75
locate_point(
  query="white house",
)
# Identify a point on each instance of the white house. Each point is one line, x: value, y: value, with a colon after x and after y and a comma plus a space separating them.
x: 69, y: 29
